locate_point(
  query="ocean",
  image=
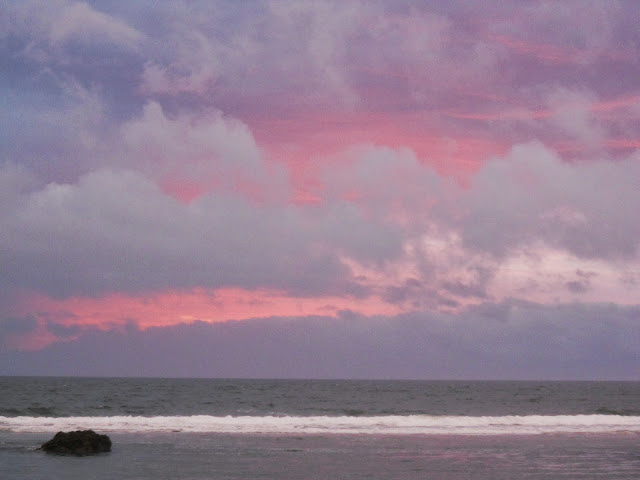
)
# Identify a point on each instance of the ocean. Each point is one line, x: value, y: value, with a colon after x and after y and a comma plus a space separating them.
x: 323, y: 429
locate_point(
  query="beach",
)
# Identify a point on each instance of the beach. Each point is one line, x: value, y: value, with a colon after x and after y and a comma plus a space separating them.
x: 317, y: 429
x: 219, y: 456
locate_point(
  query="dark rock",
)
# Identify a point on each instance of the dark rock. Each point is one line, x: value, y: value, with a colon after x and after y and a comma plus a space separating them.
x: 80, y: 442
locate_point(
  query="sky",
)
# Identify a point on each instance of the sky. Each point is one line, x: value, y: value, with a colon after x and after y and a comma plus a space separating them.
x: 320, y: 189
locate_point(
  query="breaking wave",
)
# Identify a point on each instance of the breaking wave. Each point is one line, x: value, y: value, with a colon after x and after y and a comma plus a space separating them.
x: 391, y: 424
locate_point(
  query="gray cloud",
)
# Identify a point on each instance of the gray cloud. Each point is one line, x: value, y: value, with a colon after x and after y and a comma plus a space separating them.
x: 577, y: 286
x: 532, y: 196
x: 512, y: 340
x: 12, y: 327
x: 116, y: 231
x: 581, y: 283
x: 63, y: 331
x: 9, y: 325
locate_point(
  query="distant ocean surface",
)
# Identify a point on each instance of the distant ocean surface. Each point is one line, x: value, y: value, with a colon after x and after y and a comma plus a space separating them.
x: 323, y: 429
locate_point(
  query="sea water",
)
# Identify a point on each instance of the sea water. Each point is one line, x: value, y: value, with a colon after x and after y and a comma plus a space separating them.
x: 317, y: 429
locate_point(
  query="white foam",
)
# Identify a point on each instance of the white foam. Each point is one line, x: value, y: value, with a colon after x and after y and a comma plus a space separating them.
x: 412, y: 424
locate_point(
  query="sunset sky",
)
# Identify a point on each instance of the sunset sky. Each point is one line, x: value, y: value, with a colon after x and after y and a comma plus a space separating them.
x: 322, y: 189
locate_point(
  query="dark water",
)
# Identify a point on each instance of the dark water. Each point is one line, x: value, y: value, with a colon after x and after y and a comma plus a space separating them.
x: 65, y: 397
x: 294, y: 429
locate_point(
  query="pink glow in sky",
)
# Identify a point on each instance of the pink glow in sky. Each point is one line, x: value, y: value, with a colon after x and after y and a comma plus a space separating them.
x: 361, y: 173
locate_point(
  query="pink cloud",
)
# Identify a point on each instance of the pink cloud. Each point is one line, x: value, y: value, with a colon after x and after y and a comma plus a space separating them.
x: 161, y: 309
x: 543, y: 51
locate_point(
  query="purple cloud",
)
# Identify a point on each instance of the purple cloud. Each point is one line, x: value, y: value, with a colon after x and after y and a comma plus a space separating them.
x: 509, y: 340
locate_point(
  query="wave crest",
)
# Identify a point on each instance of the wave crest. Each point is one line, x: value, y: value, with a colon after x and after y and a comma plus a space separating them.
x: 392, y: 424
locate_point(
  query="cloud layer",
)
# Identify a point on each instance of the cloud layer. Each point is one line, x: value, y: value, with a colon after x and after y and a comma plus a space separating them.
x: 407, y: 162
x: 503, y: 341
